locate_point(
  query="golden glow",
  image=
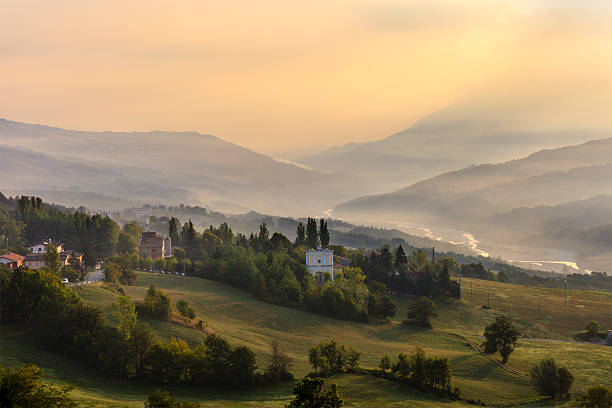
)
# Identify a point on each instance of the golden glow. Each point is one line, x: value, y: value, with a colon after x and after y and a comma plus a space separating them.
x: 286, y: 74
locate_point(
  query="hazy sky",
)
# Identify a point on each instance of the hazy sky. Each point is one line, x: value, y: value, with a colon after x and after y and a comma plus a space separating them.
x: 287, y: 74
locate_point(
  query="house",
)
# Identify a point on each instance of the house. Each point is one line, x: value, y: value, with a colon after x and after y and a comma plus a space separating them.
x: 11, y: 260
x: 320, y: 260
x: 34, y: 261
x: 609, y: 338
x: 153, y: 245
x: 36, y: 258
x: 41, y: 247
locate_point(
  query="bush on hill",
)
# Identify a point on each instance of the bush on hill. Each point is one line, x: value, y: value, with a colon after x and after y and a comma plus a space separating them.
x: 23, y: 388
x: 551, y: 379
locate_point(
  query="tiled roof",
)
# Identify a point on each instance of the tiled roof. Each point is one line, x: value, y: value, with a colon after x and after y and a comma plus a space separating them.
x: 13, y: 257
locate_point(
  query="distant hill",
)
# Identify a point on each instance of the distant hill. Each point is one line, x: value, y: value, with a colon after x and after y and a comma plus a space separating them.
x: 167, y: 167
x: 524, y: 201
x: 449, y: 139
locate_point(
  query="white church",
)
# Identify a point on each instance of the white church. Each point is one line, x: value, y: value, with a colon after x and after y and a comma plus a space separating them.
x: 320, y: 260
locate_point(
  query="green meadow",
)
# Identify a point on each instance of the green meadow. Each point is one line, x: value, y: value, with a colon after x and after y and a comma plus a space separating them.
x: 244, y: 320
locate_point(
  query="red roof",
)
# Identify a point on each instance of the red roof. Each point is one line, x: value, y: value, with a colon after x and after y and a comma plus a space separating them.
x: 13, y: 257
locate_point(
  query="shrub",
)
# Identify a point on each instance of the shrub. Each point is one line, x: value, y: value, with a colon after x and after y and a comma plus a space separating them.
x: 592, y: 328
x: 550, y: 379
x: 184, y: 309
x: 598, y: 396
x: 420, y: 312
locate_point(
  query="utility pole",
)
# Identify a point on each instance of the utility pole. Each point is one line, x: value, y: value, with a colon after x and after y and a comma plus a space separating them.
x: 565, y: 290
x: 459, y: 288
x: 489, y: 300
x: 539, y: 307
x: 471, y: 293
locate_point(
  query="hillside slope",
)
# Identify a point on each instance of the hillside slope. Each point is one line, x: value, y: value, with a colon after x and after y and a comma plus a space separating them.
x: 243, y: 320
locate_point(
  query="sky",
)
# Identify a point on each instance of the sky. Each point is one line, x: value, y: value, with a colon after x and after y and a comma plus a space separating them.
x: 288, y: 75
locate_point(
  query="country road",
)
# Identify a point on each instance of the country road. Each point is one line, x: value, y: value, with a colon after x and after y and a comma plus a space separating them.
x: 95, y: 276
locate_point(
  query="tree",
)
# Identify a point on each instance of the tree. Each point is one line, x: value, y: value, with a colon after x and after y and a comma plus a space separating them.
x: 421, y: 312
x: 324, y: 233
x: 300, y: 238
x: 592, y: 328
x: 550, y: 379
x: 501, y: 336
x: 23, y: 388
x: 124, y: 310
x: 127, y: 243
x: 132, y: 228
x: 385, y: 363
x: 418, y: 260
x: 184, y: 309
x: 141, y: 341
x: 173, y: 233
x: 313, y: 393
x: 400, y: 257
x: 312, y: 234
x: 70, y: 273
x: 598, y: 396
x: 157, y: 303
x: 280, y: 365
x: 52, y: 259
x: 380, y: 304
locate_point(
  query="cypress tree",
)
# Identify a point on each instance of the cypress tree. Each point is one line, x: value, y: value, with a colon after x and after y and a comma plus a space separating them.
x: 324, y: 233
x: 400, y: 257
x: 312, y: 235
x: 300, y: 238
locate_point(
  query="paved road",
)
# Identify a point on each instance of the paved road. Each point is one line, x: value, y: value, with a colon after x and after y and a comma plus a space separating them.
x: 95, y: 276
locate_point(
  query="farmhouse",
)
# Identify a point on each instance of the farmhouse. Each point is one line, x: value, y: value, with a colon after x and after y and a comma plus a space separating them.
x: 320, y: 260
x: 36, y: 258
x: 41, y: 247
x: 12, y: 260
x: 153, y: 245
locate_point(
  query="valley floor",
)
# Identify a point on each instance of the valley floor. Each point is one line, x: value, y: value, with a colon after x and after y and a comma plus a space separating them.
x: 243, y: 320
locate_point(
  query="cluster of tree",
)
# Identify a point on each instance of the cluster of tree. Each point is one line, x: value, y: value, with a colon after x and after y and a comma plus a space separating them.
x: 330, y: 358
x: 273, y: 269
x: 23, y: 388
x: 502, y: 336
x: 412, y: 274
x: 119, y: 269
x: 313, y: 392
x: 423, y: 372
x: 95, y: 236
x: 58, y: 318
x: 551, y: 379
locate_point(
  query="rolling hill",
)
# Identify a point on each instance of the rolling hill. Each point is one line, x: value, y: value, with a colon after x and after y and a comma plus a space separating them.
x: 163, y: 167
x: 243, y: 320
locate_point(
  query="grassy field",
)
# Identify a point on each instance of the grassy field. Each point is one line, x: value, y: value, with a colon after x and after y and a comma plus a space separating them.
x: 243, y: 320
